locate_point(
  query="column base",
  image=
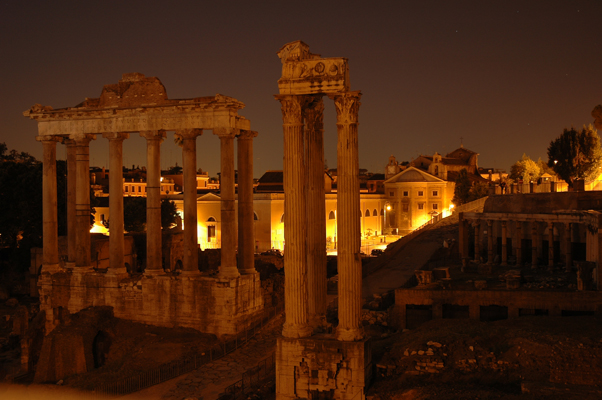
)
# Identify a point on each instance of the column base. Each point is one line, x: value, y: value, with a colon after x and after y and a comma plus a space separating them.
x: 70, y: 264
x: 190, y: 273
x: 51, y: 268
x: 117, y: 271
x: 295, y: 331
x: 228, y: 273
x: 350, y: 335
x: 247, y: 271
x: 153, y: 272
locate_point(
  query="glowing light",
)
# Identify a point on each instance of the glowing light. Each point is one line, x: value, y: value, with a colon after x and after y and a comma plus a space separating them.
x: 388, y: 207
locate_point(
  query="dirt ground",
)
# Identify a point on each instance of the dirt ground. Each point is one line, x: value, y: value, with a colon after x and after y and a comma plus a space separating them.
x: 468, y: 359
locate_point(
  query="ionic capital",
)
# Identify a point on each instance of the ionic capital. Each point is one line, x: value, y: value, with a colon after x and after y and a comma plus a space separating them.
x: 186, y: 134
x: 153, y: 135
x: 348, y: 105
x: 246, y: 135
x: 83, y: 139
x: 49, y: 138
x: 116, y: 135
x: 226, y: 132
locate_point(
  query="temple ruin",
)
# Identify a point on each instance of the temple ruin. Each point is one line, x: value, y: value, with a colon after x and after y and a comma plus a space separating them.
x: 311, y: 363
x: 220, y: 304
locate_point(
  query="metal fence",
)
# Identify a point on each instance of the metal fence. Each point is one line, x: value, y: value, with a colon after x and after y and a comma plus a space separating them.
x: 251, y: 379
x: 176, y: 368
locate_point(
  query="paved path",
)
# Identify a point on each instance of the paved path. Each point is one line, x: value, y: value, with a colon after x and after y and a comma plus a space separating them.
x: 209, y: 381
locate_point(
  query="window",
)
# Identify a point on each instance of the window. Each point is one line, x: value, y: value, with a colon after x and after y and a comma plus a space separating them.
x: 435, y: 206
x: 374, y: 213
x: 406, y: 193
x: 382, y: 211
x: 367, y: 213
x: 139, y: 189
x: 420, y: 193
x: 126, y: 189
x: 210, y: 232
x: 406, y: 207
x: 421, y: 206
x: 391, y: 194
x: 210, y: 219
x: 255, y: 218
x: 331, y: 215
x: 435, y: 193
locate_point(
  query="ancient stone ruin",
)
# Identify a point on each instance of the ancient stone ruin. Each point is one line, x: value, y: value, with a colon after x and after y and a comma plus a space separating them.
x: 219, y: 304
x: 309, y: 362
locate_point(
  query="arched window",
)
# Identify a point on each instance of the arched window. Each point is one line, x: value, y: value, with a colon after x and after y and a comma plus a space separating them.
x: 255, y: 217
x: 382, y: 212
x: 375, y: 213
x: 331, y: 215
x: 210, y: 219
x: 367, y: 213
x: 282, y: 219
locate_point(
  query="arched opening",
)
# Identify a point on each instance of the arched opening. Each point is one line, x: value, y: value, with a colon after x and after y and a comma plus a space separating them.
x: 210, y: 219
x: 374, y: 213
x: 255, y: 218
x: 367, y: 213
x: 100, y: 348
x: 282, y: 219
x: 179, y: 265
x: 331, y: 215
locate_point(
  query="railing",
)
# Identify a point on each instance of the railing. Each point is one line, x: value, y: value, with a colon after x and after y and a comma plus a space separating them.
x: 251, y: 379
x: 176, y: 368
x: 473, y: 205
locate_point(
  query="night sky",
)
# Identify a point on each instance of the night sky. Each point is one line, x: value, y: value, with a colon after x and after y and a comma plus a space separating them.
x: 505, y: 76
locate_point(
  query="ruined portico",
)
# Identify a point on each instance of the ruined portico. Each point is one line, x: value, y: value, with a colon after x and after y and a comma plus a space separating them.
x: 310, y: 363
x: 138, y: 104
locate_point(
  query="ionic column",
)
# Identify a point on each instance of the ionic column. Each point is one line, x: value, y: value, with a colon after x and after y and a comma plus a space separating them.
x: 504, y: 243
x: 569, y: 250
x: 187, y: 138
x: 116, y: 245
x: 477, y: 241
x: 50, y: 243
x: 295, y: 222
x: 348, y: 221
x: 246, y: 236
x: 518, y: 246
x: 534, y: 244
x: 315, y: 205
x: 489, y: 242
x: 71, y: 189
x: 154, y: 262
x: 82, y: 200
x: 227, y: 269
x: 550, y: 245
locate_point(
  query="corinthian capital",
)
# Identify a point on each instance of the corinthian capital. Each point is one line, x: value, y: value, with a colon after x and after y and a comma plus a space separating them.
x: 348, y: 105
x: 292, y: 108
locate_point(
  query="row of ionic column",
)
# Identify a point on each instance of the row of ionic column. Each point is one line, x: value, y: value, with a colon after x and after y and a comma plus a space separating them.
x: 78, y: 202
x: 304, y: 224
x: 519, y: 231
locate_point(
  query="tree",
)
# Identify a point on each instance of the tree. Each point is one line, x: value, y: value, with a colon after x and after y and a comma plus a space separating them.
x: 134, y: 214
x: 576, y: 154
x: 526, y: 170
x: 169, y: 214
x: 478, y: 190
x: 462, y: 188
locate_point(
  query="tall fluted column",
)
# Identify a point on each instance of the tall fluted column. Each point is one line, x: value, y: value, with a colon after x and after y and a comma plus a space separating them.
x: 154, y: 262
x: 568, y: 244
x: 116, y: 244
x: 519, y: 243
x: 187, y: 138
x: 550, y: 244
x: 295, y: 219
x: 246, y: 236
x: 83, y: 257
x: 71, y: 189
x: 227, y: 269
x: 504, y: 243
x: 477, y: 241
x: 315, y: 205
x: 489, y: 242
x: 50, y: 251
x: 348, y: 221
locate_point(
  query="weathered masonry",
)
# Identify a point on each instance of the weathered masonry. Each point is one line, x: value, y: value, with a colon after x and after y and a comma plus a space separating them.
x: 137, y: 103
x: 310, y: 364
